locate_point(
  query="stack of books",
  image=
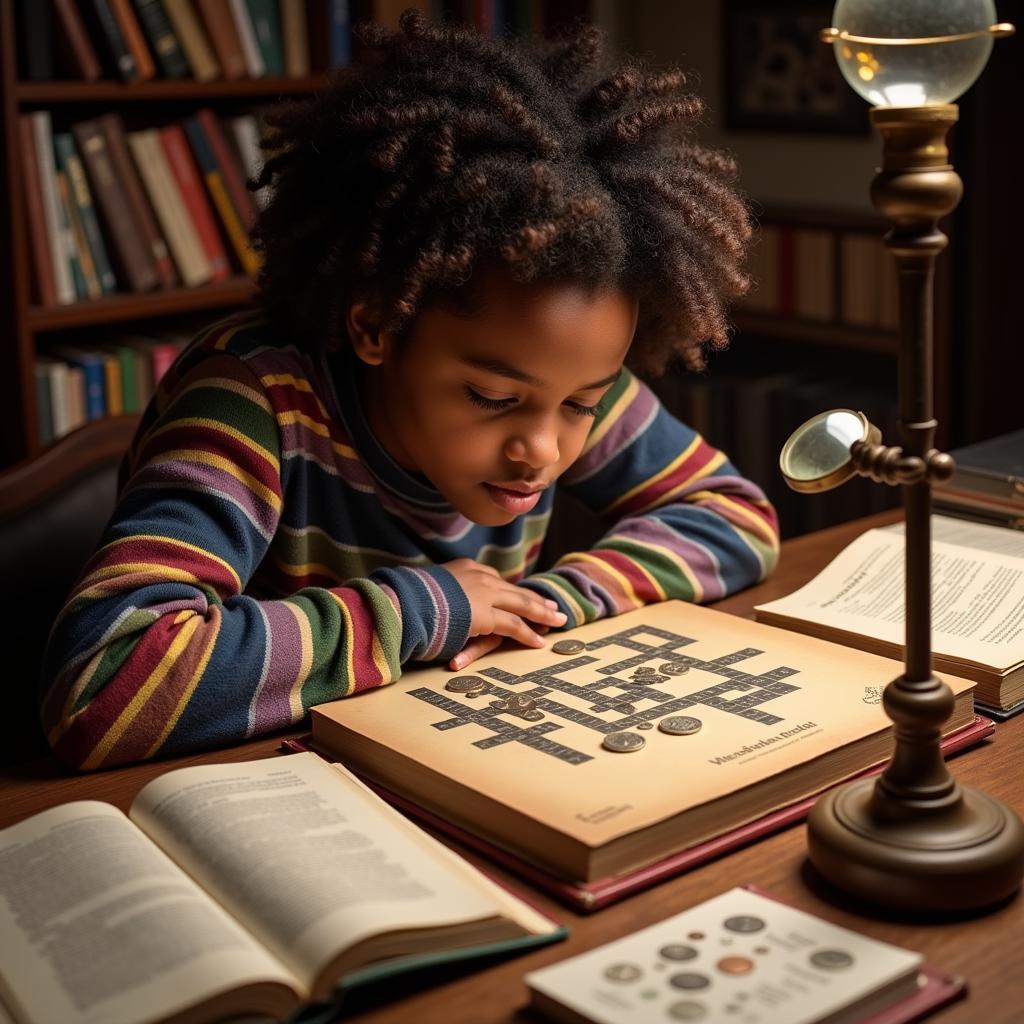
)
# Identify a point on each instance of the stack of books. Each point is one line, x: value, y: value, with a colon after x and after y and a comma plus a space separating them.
x: 988, y: 484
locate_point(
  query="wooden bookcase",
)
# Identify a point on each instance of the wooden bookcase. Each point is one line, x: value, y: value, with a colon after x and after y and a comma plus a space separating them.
x: 25, y: 323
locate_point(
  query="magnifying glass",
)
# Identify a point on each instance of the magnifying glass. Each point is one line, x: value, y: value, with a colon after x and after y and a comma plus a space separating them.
x: 817, y: 455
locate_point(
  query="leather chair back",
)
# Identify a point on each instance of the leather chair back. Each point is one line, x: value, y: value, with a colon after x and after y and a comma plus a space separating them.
x: 53, y: 509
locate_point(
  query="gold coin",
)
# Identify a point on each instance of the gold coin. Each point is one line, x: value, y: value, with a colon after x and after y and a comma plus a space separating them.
x: 568, y: 646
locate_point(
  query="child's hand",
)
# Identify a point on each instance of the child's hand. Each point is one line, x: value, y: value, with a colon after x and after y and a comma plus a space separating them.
x: 499, y: 609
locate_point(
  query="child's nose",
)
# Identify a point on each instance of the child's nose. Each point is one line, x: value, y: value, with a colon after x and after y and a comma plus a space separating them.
x: 538, y: 448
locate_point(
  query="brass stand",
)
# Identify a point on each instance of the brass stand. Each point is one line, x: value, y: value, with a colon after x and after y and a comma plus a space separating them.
x: 915, y: 839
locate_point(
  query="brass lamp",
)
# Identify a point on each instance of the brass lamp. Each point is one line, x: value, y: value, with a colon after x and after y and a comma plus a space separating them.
x: 914, y: 838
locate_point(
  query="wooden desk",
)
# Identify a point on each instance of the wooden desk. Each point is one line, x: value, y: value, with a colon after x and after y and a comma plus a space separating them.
x: 988, y: 951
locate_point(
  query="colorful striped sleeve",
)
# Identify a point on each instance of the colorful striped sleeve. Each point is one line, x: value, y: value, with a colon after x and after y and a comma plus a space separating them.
x: 159, y: 651
x: 683, y: 523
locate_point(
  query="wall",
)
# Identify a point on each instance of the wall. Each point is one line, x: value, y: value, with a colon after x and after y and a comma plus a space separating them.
x: 777, y: 169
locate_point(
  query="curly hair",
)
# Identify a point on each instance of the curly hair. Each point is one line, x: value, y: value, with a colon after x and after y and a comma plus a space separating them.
x: 441, y: 151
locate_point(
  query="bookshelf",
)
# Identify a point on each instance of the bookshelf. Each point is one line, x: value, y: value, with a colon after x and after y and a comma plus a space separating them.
x: 33, y: 327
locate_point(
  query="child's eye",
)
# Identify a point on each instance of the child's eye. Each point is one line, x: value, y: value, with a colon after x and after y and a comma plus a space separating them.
x: 493, y: 404
x: 584, y: 410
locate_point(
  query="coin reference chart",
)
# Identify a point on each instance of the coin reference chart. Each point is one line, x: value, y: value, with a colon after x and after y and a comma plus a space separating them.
x: 641, y: 677
x: 737, y: 957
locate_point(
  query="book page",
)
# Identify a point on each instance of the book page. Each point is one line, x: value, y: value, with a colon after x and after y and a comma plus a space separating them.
x: 998, y: 539
x: 100, y: 927
x: 977, y: 598
x: 309, y: 865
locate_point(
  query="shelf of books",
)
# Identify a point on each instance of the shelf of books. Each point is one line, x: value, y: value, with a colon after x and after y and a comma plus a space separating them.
x: 130, y: 131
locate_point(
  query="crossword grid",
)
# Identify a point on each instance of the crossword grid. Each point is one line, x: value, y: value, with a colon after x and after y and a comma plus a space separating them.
x: 755, y: 690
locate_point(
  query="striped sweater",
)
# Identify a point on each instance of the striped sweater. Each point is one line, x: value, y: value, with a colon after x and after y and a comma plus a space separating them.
x: 266, y: 554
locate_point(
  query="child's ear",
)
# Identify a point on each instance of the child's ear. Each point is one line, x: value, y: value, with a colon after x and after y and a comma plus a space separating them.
x: 370, y: 343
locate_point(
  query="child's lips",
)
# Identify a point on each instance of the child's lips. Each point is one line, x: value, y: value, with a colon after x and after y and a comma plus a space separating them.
x: 515, y: 498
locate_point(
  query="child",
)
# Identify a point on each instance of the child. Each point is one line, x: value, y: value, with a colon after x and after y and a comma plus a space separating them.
x: 466, y: 237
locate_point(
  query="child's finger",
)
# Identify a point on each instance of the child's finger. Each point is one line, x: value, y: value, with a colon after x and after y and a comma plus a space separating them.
x: 527, y: 604
x: 477, y: 647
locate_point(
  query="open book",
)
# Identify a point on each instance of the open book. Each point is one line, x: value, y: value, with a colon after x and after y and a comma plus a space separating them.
x: 233, y: 890
x: 977, y: 604
x: 664, y: 728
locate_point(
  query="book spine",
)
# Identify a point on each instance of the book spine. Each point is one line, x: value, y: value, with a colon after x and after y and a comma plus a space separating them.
x: 44, y: 411
x: 162, y: 358
x: 74, y: 240
x: 295, y: 38
x: 113, y: 385
x: 247, y: 143
x: 227, y: 164
x: 130, y: 250
x: 176, y: 150
x: 117, y: 48
x: 134, y: 39
x: 164, y: 43
x: 64, y: 149
x: 42, y: 255
x: 193, y: 39
x: 266, y: 27
x: 71, y: 31
x: 127, y: 358
x: 220, y: 27
x: 169, y: 206
x: 247, y: 39
x: 43, y: 135
x: 233, y: 226
x: 87, y: 212
x: 339, y: 34
x: 60, y: 398
x: 142, y: 214
x: 35, y: 40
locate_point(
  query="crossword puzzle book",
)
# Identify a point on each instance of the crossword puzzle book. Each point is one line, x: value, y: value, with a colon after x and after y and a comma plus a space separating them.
x: 770, y: 718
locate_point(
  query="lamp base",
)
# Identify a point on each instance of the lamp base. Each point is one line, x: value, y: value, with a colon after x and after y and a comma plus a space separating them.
x: 965, y: 856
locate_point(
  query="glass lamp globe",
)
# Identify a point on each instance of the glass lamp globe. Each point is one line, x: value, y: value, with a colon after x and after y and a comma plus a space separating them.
x: 911, y: 71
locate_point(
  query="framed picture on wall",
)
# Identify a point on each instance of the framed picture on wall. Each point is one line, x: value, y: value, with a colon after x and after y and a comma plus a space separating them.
x: 779, y: 75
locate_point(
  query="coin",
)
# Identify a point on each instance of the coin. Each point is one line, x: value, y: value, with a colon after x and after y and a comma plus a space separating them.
x: 744, y: 923
x: 689, y: 980
x: 520, y: 702
x: 623, y: 742
x: 678, y: 951
x: 568, y: 646
x: 675, y: 668
x: 533, y: 715
x: 831, y: 959
x: 622, y: 972
x: 680, y: 725
x: 464, y: 684
x: 644, y: 725
x: 624, y: 707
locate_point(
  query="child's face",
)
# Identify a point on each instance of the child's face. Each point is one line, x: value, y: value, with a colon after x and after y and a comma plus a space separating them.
x: 491, y: 407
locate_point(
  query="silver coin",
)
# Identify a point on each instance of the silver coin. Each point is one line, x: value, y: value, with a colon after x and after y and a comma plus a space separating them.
x: 689, y: 980
x: 831, y: 959
x: 568, y: 646
x: 687, y: 1009
x: 622, y: 972
x: 680, y: 725
x: 623, y: 742
x: 644, y: 725
x: 464, y: 684
x: 745, y: 924
x: 675, y: 668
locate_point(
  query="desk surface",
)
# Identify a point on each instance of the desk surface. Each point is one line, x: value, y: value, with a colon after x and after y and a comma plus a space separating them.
x: 988, y: 951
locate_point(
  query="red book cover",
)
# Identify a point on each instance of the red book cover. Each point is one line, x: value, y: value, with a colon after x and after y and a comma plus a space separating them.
x: 179, y: 157
x: 229, y: 167
x: 787, y: 273
x: 44, y: 287
x: 590, y: 896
